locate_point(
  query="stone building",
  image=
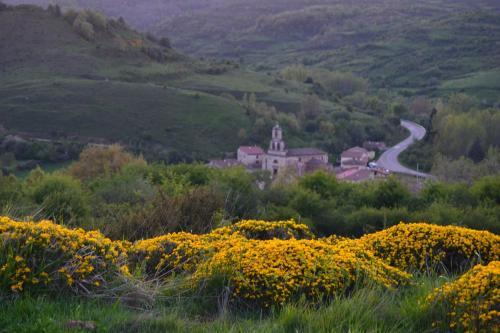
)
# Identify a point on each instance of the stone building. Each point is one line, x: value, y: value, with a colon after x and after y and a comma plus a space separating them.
x: 251, y: 156
x: 355, y: 157
x: 278, y: 157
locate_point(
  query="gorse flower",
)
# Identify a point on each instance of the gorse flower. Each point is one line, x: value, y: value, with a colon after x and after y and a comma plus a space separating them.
x: 42, y: 255
x: 260, y: 263
x: 181, y: 252
x: 426, y: 246
x: 276, y: 271
x: 472, y: 301
x: 263, y: 230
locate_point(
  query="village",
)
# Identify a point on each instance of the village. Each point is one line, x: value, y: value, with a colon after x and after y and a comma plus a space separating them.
x: 355, y: 164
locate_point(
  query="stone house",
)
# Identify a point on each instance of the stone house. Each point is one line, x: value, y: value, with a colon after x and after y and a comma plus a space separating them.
x: 355, y: 157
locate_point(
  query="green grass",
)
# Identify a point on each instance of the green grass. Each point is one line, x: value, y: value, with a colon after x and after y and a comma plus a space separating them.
x: 484, y: 84
x: 120, y: 111
x: 366, y: 310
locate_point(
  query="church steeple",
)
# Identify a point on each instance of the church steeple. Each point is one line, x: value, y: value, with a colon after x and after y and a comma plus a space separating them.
x: 277, y: 145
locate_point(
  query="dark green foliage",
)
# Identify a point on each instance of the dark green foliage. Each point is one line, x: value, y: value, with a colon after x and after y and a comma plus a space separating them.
x: 390, y: 194
x: 487, y: 190
x: 61, y: 198
x: 10, y: 190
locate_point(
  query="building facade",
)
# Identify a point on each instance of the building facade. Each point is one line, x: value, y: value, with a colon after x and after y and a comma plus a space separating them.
x: 279, y: 158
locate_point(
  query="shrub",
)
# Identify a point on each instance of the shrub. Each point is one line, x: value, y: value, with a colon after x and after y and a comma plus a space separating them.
x: 425, y: 246
x: 182, y: 252
x: 487, y: 190
x: 295, y: 73
x: 266, y: 273
x: 98, y: 20
x: 472, y: 301
x: 61, y: 198
x: 174, y: 253
x: 10, y: 189
x: 263, y: 230
x: 70, y: 16
x: 84, y: 28
x: 96, y: 161
x: 48, y: 256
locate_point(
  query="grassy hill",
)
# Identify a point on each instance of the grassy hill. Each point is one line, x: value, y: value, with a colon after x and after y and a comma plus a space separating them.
x: 61, y: 80
x: 56, y: 81
x: 117, y: 85
x: 414, y: 47
x: 417, y: 48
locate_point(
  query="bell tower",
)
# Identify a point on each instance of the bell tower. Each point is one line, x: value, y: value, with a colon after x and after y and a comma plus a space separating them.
x: 277, y: 145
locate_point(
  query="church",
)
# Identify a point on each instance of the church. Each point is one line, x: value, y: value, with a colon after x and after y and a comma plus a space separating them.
x: 279, y: 158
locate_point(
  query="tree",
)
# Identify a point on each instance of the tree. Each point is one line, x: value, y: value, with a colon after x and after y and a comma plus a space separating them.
x: 96, y: 161
x: 390, y: 193
x: 399, y: 110
x: 476, y: 151
x: 487, y: 190
x: 322, y: 183
x: 242, y: 135
x: 165, y: 42
x: 342, y: 84
x: 97, y: 20
x: 421, y: 106
x: 295, y: 73
x: 84, y: 28
x: 310, y: 107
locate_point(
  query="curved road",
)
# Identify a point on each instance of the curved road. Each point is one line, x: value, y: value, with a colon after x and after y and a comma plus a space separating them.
x: 389, y: 159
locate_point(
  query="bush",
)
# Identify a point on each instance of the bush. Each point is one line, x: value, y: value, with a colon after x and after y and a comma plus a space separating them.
x: 83, y: 28
x: 61, y: 198
x: 10, y: 190
x: 175, y: 253
x: 424, y: 246
x: 98, y: 20
x: 50, y: 257
x: 487, y: 190
x: 96, y: 161
x: 342, y: 84
x: 471, y: 301
x: 266, y: 273
x: 263, y: 230
x: 390, y: 193
x: 295, y: 73
x: 182, y: 252
x: 70, y: 16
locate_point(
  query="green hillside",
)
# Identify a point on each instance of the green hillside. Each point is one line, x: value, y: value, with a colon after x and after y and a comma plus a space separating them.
x: 413, y: 47
x: 82, y: 76
x: 56, y: 81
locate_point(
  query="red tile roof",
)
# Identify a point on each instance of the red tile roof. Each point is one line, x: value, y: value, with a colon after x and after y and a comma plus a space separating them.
x: 252, y: 150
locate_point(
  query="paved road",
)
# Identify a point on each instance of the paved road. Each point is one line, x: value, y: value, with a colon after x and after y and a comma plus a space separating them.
x: 389, y: 159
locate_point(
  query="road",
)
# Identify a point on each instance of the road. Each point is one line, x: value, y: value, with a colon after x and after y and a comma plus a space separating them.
x: 389, y: 159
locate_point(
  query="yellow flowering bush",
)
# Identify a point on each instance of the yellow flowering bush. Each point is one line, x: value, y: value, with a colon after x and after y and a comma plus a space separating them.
x: 472, y: 301
x: 177, y: 252
x: 47, y: 255
x: 274, y: 271
x: 181, y: 252
x: 262, y: 230
x: 421, y: 246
